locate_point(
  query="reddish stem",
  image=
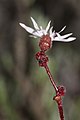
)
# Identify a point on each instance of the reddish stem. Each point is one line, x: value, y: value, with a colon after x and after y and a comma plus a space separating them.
x: 60, y: 108
x: 59, y: 101
x: 51, y: 78
x: 60, y: 90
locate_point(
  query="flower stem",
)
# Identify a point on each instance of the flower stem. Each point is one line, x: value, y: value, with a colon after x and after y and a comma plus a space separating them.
x: 60, y: 108
x: 60, y: 90
x: 59, y: 101
x: 51, y: 78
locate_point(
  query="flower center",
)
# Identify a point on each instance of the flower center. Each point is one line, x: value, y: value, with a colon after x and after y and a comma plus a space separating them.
x: 45, y: 43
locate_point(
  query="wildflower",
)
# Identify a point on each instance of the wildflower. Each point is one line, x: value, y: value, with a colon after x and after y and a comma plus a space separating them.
x: 46, y: 37
x: 38, y: 31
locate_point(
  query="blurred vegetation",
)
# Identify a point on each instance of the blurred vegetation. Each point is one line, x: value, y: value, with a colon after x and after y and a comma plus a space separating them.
x: 25, y: 90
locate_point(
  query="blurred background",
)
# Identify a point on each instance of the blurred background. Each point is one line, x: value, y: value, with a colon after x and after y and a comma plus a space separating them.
x: 25, y: 90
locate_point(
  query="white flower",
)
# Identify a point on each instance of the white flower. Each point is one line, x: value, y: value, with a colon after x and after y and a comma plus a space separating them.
x: 38, y: 31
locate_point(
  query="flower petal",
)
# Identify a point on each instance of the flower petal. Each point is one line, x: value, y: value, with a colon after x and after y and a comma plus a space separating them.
x: 52, y: 34
x: 37, y: 33
x: 67, y: 35
x: 41, y: 33
x: 33, y: 36
x: 62, y: 29
x: 28, y: 29
x: 41, y: 27
x: 70, y: 39
x: 48, y: 26
x: 50, y: 31
x: 35, y: 24
x: 60, y: 38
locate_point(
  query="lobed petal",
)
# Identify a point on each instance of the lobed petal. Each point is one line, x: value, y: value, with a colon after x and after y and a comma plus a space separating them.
x: 28, y: 29
x: 71, y: 39
x: 41, y: 27
x: 37, y: 33
x: 67, y: 35
x: 60, y: 38
x: 62, y: 29
x: 48, y: 26
x: 50, y: 31
x: 52, y: 34
x: 33, y: 36
x: 35, y: 24
x: 41, y: 33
